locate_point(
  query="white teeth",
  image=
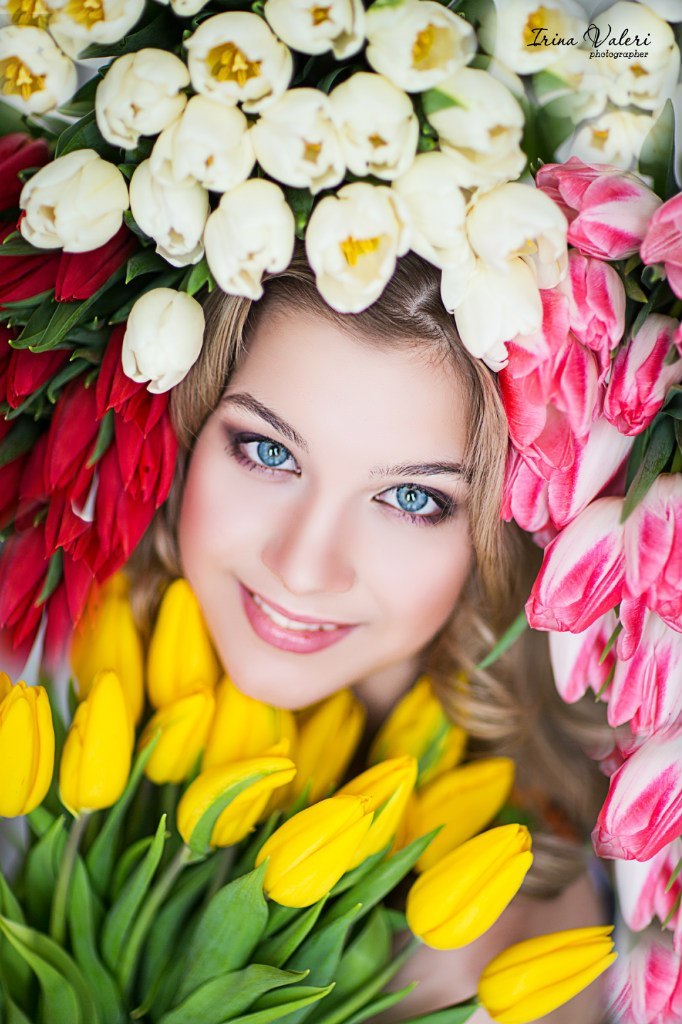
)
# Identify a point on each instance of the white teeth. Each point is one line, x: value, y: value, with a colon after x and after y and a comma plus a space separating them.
x: 285, y: 623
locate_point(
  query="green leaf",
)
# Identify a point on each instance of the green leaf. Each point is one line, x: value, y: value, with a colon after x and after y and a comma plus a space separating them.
x: 321, y: 953
x: 301, y: 202
x: 222, y: 997
x: 63, y: 376
x: 196, y: 277
x: 200, y: 839
x: 12, y: 1013
x: 15, y: 974
x: 633, y: 290
x: 217, y: 946
x: 104, y: 850
x: 364, y: 993
x: 659, y: 450
x: 105, y: 436
x: 434, y: 100
x: 34, y: 329
x: 53, y: 576
x: 510, y: 636
x: 42, y: 864
x: 84, y: 134
x: 280, y: 1006
x: 68, y: 314
x: 277, y: 949
x: 378, y: 1005
x: 657, y: 153
x: 366, y: 955
x: 161, y: 32
x: 121, y: 916
x: 20, y: 439
x: 450, y: 1015
x: 11, y: 119
x: 351, y: 878
x: 81, y: 918
x: 674, y: 875
x: 82, y: 101
x: 16, y: 245
x: 145, y: 262
x: 128, y: 860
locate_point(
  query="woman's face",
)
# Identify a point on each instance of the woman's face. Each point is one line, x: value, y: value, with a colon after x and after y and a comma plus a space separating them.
x: 324, y: 525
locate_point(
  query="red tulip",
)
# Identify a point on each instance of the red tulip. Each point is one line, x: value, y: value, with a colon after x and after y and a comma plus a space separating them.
x: 23, y: 567
x: 79, y: 275
x: 28, y: 371
x: 117, y: 391
x: 23, y: 277
x: 72, y: 434
x: 18, y: 151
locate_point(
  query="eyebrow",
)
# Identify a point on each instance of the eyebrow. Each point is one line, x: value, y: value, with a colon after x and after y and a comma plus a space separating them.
x: 405, y: 469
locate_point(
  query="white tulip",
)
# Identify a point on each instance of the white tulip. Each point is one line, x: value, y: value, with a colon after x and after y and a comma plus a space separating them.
x: 530, y: 35
x: 577, y: 85
x: 251, y: 231
x: 35, y: 76
x: 163, y: 338
x: 614, y: 138
x: 295, y: 141
x: 140, y: 95
x: 437, y: 211
x: 187, y: 8
x: 519, y: 221
x: 235, y: 58
x: 418, y: 43
x: 310, y: 27
x: 485, y: 325
x: 353, y: 240
x: 377, y: 125
x: 669, y: 10
x: 174, y: 216
x: 75, y: 202
x: 481, y: 130
x: 76, y: 24
x: 209, y: 144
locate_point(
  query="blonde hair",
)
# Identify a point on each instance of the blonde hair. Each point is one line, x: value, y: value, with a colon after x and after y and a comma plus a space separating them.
x: 513, y: 709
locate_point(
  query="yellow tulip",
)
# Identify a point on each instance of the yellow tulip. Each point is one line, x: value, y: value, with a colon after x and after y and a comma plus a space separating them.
x: 243, y: 727
x: 532, y: 978
x: 107, y: 638
x: 310, y: 852
x: 266, y: 774
x: 464, y: 801
x: 388, y: 787
x: 459, y: 898
x: 26, y: 747
x: 95, y: 761
x: 183, y: 727
x: 181, y: 659
x: 419, y: 726
x: 328, y: 734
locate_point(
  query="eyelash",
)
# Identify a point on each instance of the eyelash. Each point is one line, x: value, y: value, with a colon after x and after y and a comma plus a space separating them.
x: 235, y: 448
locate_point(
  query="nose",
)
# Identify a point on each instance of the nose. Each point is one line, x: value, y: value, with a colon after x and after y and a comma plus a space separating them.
x: 311, y: 552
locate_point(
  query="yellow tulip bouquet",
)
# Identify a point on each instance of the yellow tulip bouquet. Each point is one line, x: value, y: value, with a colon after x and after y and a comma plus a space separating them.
x: 215, y: 870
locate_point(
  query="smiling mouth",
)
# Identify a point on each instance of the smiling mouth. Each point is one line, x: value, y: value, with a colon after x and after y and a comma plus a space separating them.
x: 287, y: 631
x: 307, y: 625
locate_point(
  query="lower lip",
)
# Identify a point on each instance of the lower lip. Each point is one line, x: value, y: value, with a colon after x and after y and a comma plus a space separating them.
x: 294, y: 640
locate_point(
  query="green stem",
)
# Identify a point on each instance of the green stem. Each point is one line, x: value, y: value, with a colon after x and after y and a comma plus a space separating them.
x: 61, y: 889
x: 225, y: 860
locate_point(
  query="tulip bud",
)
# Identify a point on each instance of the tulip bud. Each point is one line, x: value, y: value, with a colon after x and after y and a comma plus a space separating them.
x: 96, y: 758
x: 26, y: 747
x: 181, y: 658
x: 328, y: 735
x: 35, y: 76
x: 183, y: 726
x: 163, y: 338
x: 310, y: 852
x: 532, y: 978
x: 463, y: 801
x: 106, y: 637
x: 388, y: 787
x: 252, y: 780
x: 418, y: 726
x: 243, y: 727
x: 461, y: 896
x: 174, y: 216
x: 140, y: 95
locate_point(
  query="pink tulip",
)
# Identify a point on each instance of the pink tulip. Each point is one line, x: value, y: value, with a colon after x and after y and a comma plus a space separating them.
x: 644, y: 986
x: 582, y: 572
x: 597, y: 306
x: 641, y: 375
x: 653, y: 549
x: 597, y: 462
x: 525, y: 495
x: 647, y: 688
x: 643, y: 810
x: 576, y: 658
x: 644, y: 891
x: 663, y: 242
x: 608, y: 209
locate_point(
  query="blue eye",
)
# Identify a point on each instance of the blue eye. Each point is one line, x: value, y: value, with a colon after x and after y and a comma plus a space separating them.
x: 417, y: 504
x: 272, y: 454
x: 262, y: 454
x: 411, y: 499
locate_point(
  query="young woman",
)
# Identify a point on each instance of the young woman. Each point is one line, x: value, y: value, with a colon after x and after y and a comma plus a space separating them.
x: 337, y: 512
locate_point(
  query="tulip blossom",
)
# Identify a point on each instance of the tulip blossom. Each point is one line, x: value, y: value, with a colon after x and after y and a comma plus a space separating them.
x: 596, y: 303
x: 80, y: 275
x: 309, y: 853
x: 35, y: 76
x: 641, y: 375
x: 140, y: 95
x: 644, y: 986
x: 243, y: 727
x: 525, y: 496
x: 388, y: 787
x: 663, y: 242
x: 480, y: 130
x: 652, y: 550
x: 522, y: 33
x: 597, y: 461
x: 26, y: 747
x: 579, y: 83
x: 96, y: 757
x: 209, y: 145
x: 328, y: 735
x: 645, y: 892
x: 576, y: 658
x: 615, y: 137
x: 532, y: 978
x: 418, y: 43
x: 643, y: 810
x: 25, y: 277
x: 18, y: 151
x: 180, y: 659
x: 174, y: 216
x: 377, y: 125
x: 583, y: 571
x: 353, y: 241
x: 75, y: 24
x: 463, y: 801
x: 235, y: 58
x: 76, y: 202
x: 646, y: 688
x: 163, y: 338
x: 27, y: 372
x: 608, y: 210
x: 460, y: 897
x: 182, y: 727
x: 339, y: 27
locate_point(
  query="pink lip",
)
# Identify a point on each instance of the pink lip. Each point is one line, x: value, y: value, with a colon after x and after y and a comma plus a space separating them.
x: 296, y: 641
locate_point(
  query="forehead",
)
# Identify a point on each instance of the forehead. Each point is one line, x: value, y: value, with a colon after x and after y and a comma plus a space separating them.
x: 323, y: 379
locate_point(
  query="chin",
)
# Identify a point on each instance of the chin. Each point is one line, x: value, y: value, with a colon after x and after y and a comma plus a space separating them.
x: 283, y: 687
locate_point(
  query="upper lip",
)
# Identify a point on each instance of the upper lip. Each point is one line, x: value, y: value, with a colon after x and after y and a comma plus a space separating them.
x: 297, y: 618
